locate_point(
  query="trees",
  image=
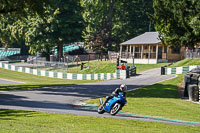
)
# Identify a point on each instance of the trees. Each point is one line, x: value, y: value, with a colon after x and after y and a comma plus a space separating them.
x: 136, y: 17
x: 108, y: 23
x: 178, y: 22
x: 14, y: 17
x: 98, y: 15
x: 67, y: 24
x: 58, y: 24
x: 21, y: 8
x: 61, y: 25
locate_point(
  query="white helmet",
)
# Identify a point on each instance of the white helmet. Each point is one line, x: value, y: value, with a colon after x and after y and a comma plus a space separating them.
x: 123, y: 87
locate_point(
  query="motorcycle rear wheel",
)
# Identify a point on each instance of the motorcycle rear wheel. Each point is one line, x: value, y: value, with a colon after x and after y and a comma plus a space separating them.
x: 115, y: 109
x: 101, y: 110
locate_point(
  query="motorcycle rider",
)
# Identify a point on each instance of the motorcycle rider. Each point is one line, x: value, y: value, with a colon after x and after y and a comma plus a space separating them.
x: 115, y: 93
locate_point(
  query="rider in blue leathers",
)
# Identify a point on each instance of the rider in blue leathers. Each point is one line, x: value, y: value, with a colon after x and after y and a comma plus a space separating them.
x: 115, y: 93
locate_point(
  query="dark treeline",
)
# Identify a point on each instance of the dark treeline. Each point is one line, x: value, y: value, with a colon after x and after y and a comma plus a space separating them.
x: 102, y: 24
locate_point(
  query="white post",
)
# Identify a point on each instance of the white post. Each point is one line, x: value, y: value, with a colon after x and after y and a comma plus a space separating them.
x: 142, y: 52
x: 120, y: 52
x: 199, y: 89
x: 149, y: 53
x: 127, y: 51
x: 157, y: 52
x: 127, y: 48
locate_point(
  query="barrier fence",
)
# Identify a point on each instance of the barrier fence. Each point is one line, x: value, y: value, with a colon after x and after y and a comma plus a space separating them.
x: 69, y: 63
x: 177, y: 70
x: 192, y: 54
x: 99, y: 76
x: 184, y: 70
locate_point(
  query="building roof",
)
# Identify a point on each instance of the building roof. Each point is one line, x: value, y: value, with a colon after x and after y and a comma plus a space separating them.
x: 146, y: 38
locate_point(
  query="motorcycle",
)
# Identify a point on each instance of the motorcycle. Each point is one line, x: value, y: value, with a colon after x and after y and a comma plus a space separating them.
x: 113, y: 106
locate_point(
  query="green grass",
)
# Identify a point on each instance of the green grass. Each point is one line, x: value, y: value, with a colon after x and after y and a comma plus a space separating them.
x: 93, y: 67
x: 161, y: 100
x: 186, y: 62
x: 32, y: 81
x: 144, y: 67
x: 103, y: 67
x: 31, y: 122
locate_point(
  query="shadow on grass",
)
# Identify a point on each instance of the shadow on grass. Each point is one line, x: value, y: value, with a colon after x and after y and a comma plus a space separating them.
x: 27, y: 87
x: 60, y: 98
x: 156, y: 91
x: 11, y: 114
x: 56, y: 97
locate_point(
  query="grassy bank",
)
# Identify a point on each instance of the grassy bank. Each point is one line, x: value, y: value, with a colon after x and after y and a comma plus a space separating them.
x: 31, y: 122
x: 161, y: 100
x: 186, y: 62
x: 144, y: 67
x: 31, y: 81
x: 93, y: 67
x: 109, y: 67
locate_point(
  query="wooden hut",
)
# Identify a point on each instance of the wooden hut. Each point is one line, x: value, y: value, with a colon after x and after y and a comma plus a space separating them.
x: 148, y: 49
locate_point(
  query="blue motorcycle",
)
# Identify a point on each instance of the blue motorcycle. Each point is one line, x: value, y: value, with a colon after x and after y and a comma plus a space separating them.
x: 113, y: 106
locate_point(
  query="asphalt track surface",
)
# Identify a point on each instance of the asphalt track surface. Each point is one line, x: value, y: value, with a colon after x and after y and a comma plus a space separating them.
x: 67, y: 99
x: 5, y: 81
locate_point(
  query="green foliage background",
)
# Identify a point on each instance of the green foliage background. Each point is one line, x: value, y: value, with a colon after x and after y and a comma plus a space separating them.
x: 177, y: 21
x: 46, y: 24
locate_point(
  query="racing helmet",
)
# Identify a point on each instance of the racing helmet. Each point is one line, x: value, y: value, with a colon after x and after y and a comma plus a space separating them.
x: 123, y: 87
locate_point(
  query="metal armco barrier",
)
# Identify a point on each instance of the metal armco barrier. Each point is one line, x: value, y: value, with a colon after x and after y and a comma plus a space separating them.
x: 163, y: 71
x: 133, y: 71
x: 192, y: 80
x: 193, y: 92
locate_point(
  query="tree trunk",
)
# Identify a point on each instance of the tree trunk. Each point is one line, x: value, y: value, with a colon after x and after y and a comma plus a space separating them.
x: 110, y: 24
x: 60, y: 50
x: 48, y: 54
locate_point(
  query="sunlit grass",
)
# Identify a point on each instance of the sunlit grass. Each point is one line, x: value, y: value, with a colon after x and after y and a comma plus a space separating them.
x: 33, y: 81
x: 186, y: 62
x: 93, y: 67
x: 160, y: 100
x: 14, y: 121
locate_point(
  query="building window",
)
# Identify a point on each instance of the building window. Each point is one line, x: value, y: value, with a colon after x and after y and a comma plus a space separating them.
x: 145, y: 47
x: 137, y: 49
x: 165, y: 49
x: 175, y: 50
x: 154, y: 49
x: 124, y: 48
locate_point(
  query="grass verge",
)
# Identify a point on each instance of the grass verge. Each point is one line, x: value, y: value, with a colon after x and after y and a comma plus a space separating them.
x: 32, y: 81
x: 186, y: 62
x: 30, y: 122
x: 144, y: 67
x: 161, y: 100
x: 102, y: 67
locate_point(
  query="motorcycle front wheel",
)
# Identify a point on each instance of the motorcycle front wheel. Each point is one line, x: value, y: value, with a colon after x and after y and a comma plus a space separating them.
x: 115, y: 109
x: 101, y: 110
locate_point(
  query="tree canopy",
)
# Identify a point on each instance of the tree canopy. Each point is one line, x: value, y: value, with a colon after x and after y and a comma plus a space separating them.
x: 58, y: 24
x: 22, y: 8
x: 44, y: 24
x: 111, y: 22
x: 177, y: 21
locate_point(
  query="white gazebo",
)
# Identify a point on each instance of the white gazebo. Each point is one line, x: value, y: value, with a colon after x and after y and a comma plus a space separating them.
x: 146, y: 49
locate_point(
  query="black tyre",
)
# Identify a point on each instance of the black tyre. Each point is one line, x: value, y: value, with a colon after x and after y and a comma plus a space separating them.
x: 101, y: 110
x: 115, y: 109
